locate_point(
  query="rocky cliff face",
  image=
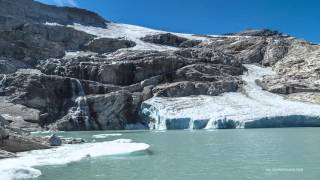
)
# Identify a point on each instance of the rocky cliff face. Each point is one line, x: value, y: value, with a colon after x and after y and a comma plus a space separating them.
x: 69, y: 69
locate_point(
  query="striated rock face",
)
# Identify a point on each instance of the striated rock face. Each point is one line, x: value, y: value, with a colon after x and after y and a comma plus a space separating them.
x: 107, y: 112
x: 92, y: 76
x: 297, y: 72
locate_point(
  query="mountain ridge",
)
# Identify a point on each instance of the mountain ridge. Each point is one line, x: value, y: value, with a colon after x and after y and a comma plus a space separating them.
x: 77, y: 71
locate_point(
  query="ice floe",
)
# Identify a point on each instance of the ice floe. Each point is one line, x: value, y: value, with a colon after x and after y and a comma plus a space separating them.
x: 102, y: 136
x: 23, y: 166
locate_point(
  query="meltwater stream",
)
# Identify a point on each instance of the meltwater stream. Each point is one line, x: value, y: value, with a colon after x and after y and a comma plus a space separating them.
x: 258, y: 154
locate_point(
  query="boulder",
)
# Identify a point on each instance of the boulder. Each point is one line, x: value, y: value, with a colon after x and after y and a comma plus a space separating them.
x: 21, y: 143
x: 54, y: 140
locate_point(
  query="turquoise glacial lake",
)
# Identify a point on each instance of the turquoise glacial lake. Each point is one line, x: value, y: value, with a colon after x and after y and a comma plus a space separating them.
x: 257, y: 154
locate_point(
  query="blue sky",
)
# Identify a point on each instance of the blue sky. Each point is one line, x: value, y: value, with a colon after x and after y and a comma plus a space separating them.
x: 300, y: 18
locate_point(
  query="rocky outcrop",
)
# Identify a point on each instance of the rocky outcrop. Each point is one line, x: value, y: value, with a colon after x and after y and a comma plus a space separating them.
x: 111, y: 111
x: 31, y: 43
x: 201, y: 79
x: 108, y: 45
x: 35, y: 12
x: 297, y: 74
x: 189, y: 88
x: 15, y: 140
x: 170, y: 40
x: 256, y: 32
x: 124, y: 67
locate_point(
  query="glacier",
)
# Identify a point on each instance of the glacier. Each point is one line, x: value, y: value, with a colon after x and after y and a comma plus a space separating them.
x: 252, y: 107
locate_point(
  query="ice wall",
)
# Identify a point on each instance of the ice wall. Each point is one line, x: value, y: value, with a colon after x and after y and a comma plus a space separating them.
x: 251, y: 108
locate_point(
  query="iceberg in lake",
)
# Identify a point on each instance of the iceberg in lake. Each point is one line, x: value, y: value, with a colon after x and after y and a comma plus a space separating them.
x: 250, y: 108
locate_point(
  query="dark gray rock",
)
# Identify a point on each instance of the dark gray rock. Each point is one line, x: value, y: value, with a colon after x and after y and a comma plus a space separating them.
x: 257, y: 32
x: 112, y: 111
x: 205, y: 72
x: 54, y: 140
x: 3, y: 121
x: 188, y: 88
x: 6, y: 67
x: 21, y: 143
x: 4, y: 134
x: 69, y: 38
x: 108, y: 45
x: 28, y: 47
x: 49, y: 94
x: 36, y: 12
x: 170, y: 40
x: 107, y: 112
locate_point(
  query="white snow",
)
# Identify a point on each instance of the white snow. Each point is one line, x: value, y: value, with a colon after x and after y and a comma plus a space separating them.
x: 252, y: 105
x: 135, y: 33
x: 22, y: 167
x: 129, y: 32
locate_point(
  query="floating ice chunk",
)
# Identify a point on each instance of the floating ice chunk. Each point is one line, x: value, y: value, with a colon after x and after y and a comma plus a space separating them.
x: 21, y: 167
x: 102, y: 136
x: 19, y: 173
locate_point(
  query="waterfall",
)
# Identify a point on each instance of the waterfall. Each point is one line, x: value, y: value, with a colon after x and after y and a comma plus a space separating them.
x: 80, y: 113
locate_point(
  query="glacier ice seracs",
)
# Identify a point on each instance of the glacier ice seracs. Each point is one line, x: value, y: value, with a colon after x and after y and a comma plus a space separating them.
x: 251, y: 108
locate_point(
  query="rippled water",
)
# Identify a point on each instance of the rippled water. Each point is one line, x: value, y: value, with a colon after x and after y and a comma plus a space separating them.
x: 284, y: 154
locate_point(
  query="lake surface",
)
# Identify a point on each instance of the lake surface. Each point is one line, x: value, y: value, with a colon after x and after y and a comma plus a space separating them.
x: 284, y: 154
